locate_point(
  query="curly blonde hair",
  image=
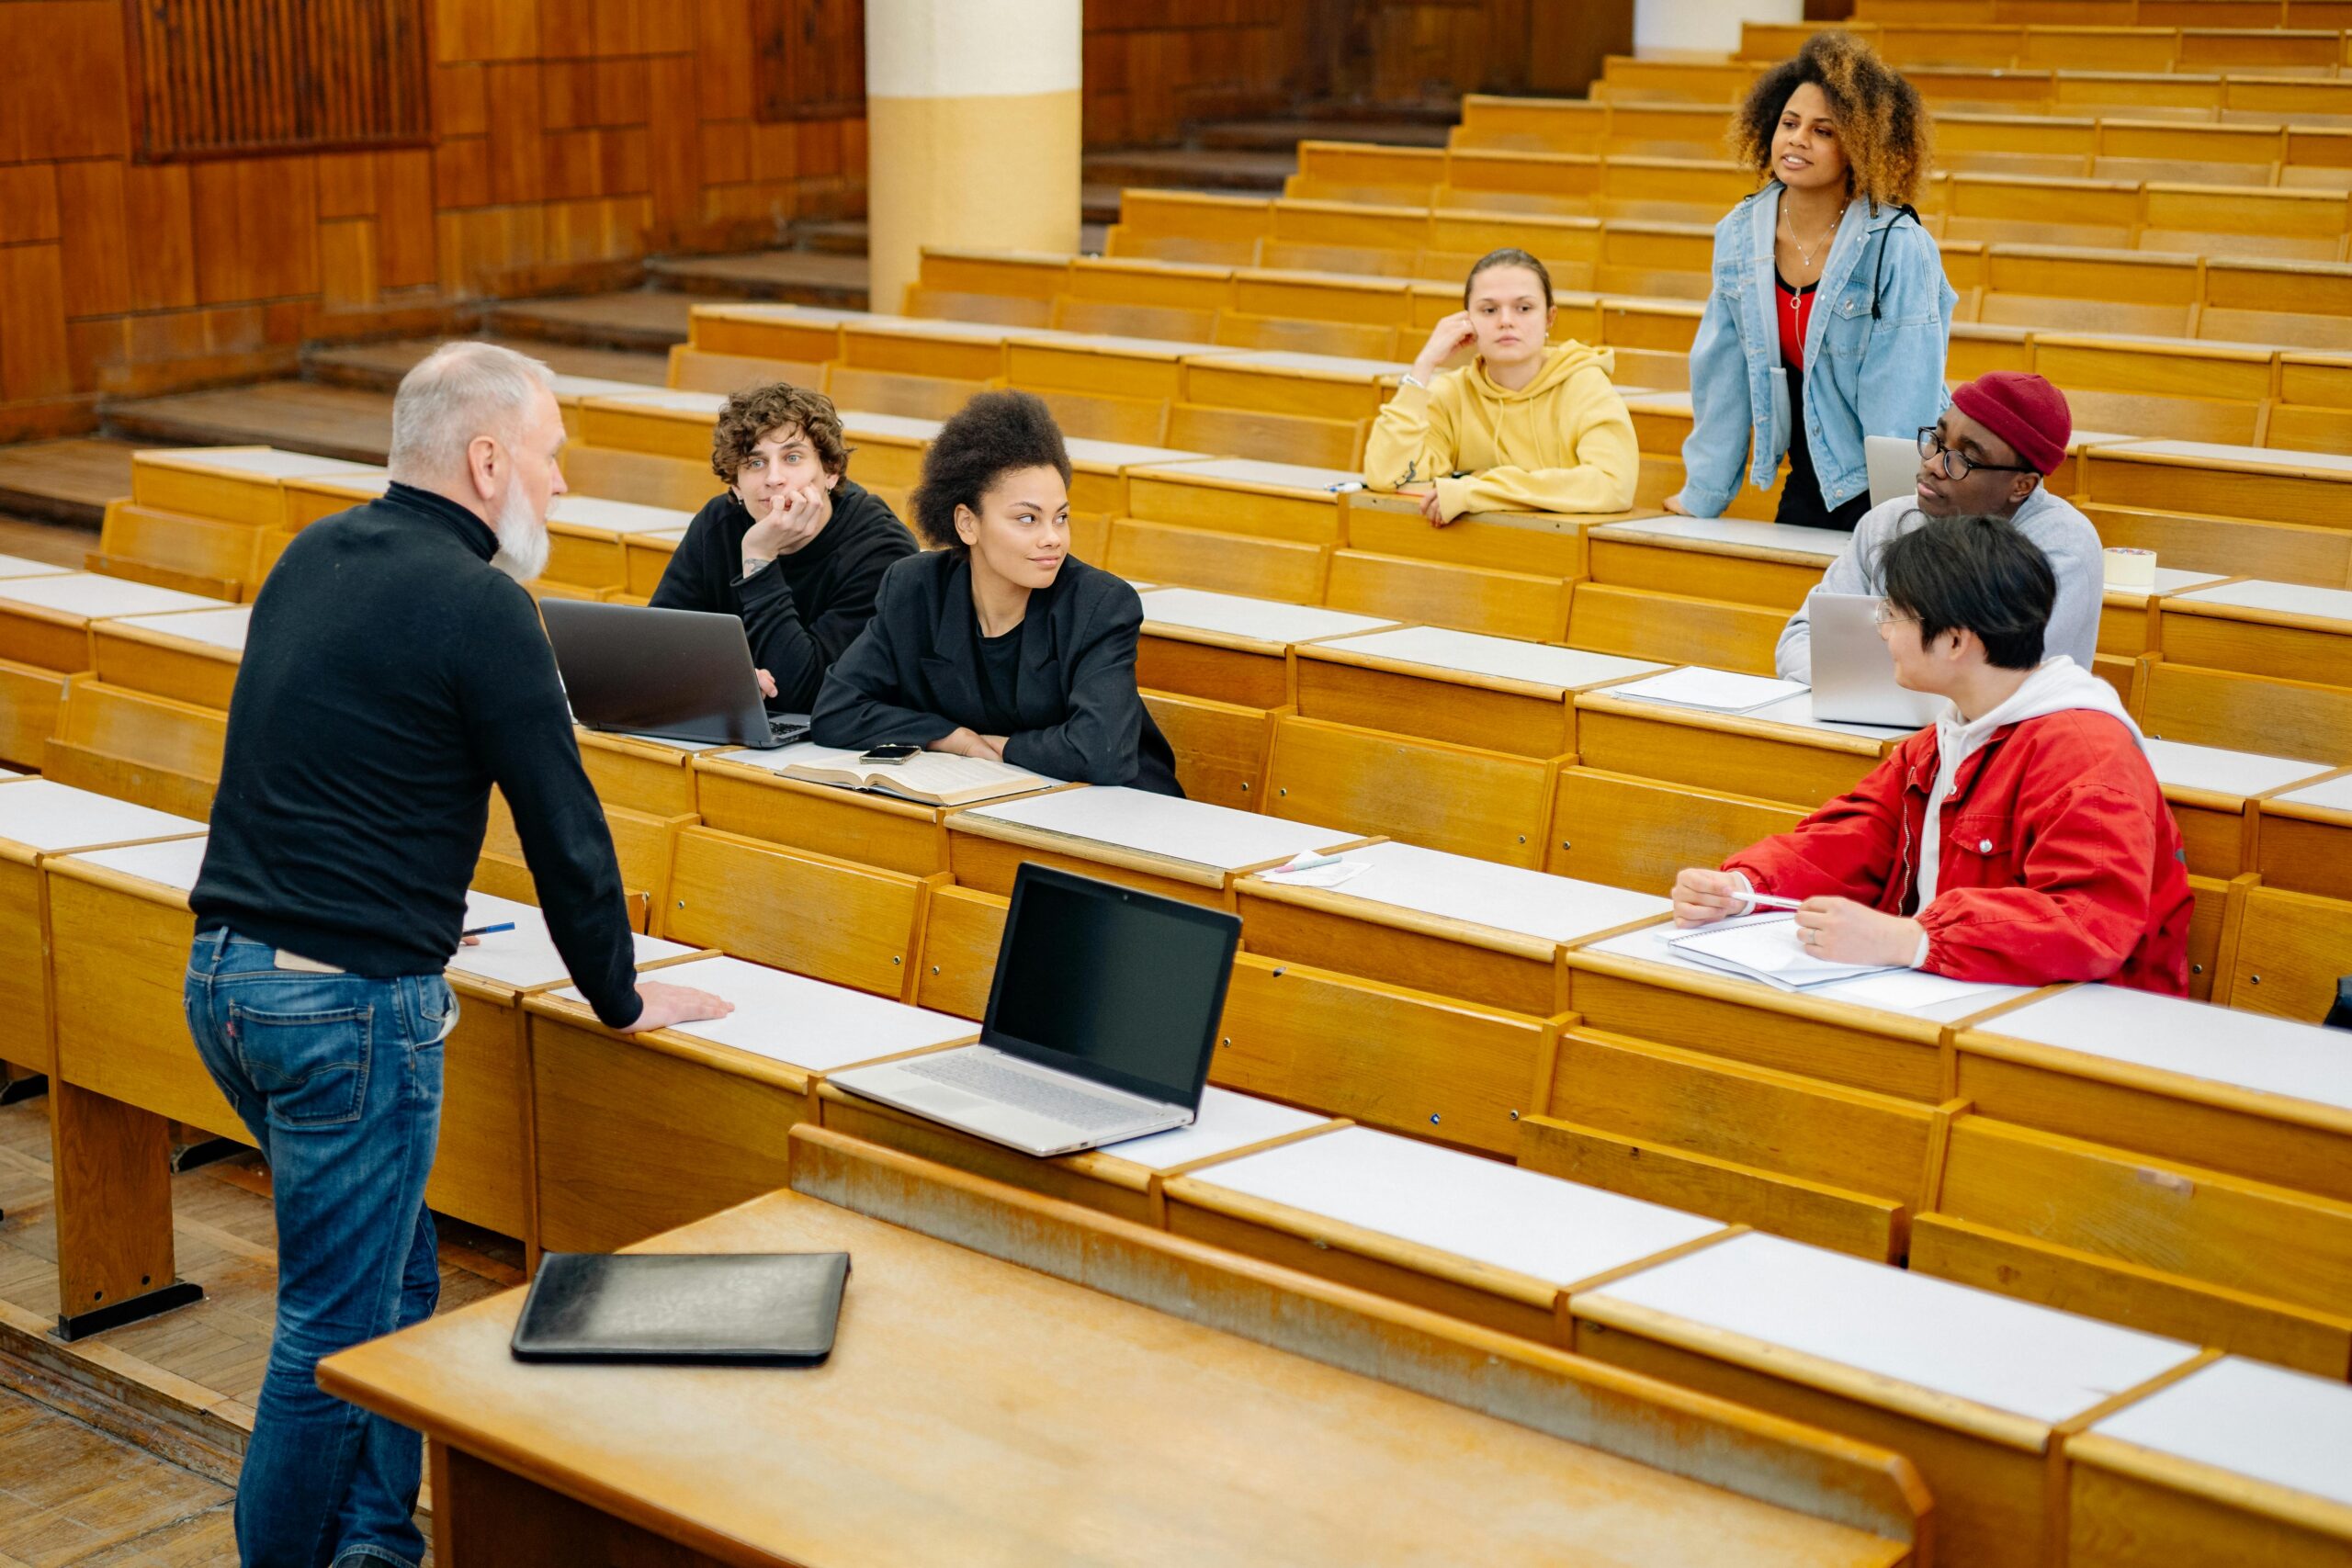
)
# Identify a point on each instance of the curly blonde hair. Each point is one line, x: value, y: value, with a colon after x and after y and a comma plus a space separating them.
x: 1881, y: 123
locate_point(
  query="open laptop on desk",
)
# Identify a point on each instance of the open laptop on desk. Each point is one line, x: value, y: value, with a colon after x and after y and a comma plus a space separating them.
x: 1893, y: 464
x: 680, y: 674
x: 1853, y: 674
x: 1101, y: 1021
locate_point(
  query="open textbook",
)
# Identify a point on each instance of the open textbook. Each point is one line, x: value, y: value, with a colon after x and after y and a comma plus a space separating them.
x: 935, y: 778
x: 1765, y: 947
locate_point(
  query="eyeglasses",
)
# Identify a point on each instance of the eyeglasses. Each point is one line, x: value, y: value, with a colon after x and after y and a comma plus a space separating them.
x: 1932, y: 448
x: 1886, y: 615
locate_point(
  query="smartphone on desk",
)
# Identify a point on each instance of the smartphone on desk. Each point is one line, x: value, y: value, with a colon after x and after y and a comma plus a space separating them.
x: 890, y: 752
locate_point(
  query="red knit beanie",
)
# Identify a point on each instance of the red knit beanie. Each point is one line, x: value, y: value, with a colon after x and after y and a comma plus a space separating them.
x: 2024, y: 411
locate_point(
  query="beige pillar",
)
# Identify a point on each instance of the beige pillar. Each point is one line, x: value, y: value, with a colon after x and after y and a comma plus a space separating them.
x: 972, y: 124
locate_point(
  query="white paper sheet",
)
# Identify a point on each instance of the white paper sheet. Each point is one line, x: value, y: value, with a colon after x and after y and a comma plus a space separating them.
x: 526, y: 955
x: 2001, y: 1353
x: 802, y: 1022
x: 2288, y: 1428
x: 51, y: 817
x: 1719, y: 691
x: 1224, y: 1121
x: 1765, y: 947
x: 1194, y: 831
x: 1540, y: 1225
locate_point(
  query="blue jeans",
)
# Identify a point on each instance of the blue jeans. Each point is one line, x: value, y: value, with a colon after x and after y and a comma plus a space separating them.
x: 338, y: 1078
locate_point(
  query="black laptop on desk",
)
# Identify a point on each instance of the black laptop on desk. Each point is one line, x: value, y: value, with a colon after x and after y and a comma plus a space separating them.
x: 679, y: 674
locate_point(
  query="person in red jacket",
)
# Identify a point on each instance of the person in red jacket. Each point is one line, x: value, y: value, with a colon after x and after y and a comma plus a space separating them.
x: 2022, y: 839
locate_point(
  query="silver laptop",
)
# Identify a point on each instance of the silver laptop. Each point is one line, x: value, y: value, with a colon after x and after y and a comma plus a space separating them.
x: 1892, y: 462
x: 680, y: 674
x: 1101, y: 1021
x: 1853, y: 675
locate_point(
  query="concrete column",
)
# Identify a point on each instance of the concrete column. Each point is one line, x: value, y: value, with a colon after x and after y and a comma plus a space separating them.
x: 1702, y: 27
x: 972, y: 125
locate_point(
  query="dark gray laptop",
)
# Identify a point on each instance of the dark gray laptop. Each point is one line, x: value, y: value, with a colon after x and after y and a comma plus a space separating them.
x: 1101, y: 1021
x: 679, y: 674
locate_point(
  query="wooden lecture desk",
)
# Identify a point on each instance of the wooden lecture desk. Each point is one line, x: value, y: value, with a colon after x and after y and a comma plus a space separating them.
x: 40, y: 818
x: 1098, y: 473
x: 1471, y: 690
x: 1979, y: 1391
x: 1104, y: 365
x: 1126, y: 1398
x: 18, y: 565
x: 1461, y: 1235
x: 1280, y: 381
x: 126, y: 1068
x: 1442, y: 923
x: 1542, y: 543
x: 45, y: 636
x: 190, y: 656
x: 636, y: 1134
x: 808, y: 334
x: 1287, y: 502
x: 2220, y: 480
x: 587, y: 538
x: 2212, y: 793
x: 311, y: 497
x: 890, y: 447
x: 644, y: 557
x: 656, y: 420
x: 2236, y: 1463
x: 1185, y: 849
x: 2285, y: 631
x: 1230, y: 648
x: 1778, y: 751
x: 644, y: 773
x: 231, y: 484
x: 2303, y: 838
x: 925, y: 345
x: 2128, y: 617
x: 1745, y: 562
x: 745, y: 791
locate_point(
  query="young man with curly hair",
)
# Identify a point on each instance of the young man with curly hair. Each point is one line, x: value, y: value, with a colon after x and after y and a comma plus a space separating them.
x: 998, y: 644
x: 793, y: 548
x: 1829, y: 313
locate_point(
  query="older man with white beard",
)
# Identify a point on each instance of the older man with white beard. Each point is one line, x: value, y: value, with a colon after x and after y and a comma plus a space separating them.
x: 394, y: 669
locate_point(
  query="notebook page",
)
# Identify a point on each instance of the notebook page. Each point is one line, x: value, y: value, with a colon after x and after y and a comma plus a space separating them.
x: 1765, y: 946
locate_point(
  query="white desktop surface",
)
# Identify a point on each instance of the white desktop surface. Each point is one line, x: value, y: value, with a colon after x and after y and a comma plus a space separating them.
x: 1264, y: 619
x: 667, y: 398
x: 1257, y: 471
x: 617, y: 516
x: 1825, y: 543
x: 2289, y: 598
x: 2226, y: 771
x: 1539, y: 1225
x: 214, y: 628
x: 526, y: 955
x: 2261, y: 458
x: 2169, y: 579
x: 1505, y: 898
x: 2172, y: 1034
x: 1091, y: 454
x: 86, y: 593
x: 1798, y: 710
x: 572, y: 388
x: 18, y: 565
x: 2335, y: 794
x: 802, y: 1022
x: 1333, y: 367
x: 1224, y: 1121
x: 1939, y: 999
x: 1502, y: 659
x: 1991, y: 1351
x: 2288, y: 1428
x: 256, y: 462
x: 49, y: 817
x: 897, y: 427
x: 1190, y: 830
x: 174, y: 863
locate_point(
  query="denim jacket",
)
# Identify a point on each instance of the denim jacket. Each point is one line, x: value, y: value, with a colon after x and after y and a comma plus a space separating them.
x: 1874, y: 365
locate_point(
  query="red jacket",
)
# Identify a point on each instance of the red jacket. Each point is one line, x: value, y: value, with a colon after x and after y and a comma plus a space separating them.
x: 2060, y: 859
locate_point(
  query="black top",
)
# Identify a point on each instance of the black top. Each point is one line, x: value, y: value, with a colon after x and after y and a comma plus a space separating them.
x: 915, y: 675
x: 801, y: 610
x: 1000, y: 672
x: 391, y: 676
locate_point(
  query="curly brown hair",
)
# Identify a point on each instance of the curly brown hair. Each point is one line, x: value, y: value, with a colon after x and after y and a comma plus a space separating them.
x: 755, y: 411
x: 1881, y: 123
x: 987, y: 438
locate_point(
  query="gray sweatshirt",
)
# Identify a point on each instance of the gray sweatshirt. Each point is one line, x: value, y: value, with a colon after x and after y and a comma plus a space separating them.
x: 2065, y: 535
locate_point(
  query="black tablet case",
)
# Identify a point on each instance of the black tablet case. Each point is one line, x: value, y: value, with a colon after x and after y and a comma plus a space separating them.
x: 734, y: 1309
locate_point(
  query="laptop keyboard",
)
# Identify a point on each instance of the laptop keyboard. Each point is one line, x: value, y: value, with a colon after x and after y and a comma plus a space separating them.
x: 783, y: 731
x: 1024, y: 1092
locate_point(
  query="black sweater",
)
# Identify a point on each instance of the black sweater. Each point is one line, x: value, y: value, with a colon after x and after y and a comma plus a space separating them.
x: 1072, y: 712
x: 801, y: 611
x: 391, y: 676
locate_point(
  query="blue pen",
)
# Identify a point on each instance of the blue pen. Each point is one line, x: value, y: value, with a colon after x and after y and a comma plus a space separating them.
x: 489, y: 931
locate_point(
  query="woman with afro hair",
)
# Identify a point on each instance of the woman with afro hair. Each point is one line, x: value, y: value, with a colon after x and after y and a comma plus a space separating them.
x: 997, y: 643
x: 1830, y: 311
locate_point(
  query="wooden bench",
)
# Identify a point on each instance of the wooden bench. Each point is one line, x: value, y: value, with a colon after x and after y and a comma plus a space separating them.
x: 2213, y: 793
x: 1628, y: 831
x: 2284, y: 953
x: 190, y: 656
x: 1466, y: 800
x: 1455, y: 686
x: 2278, y: 630
x: 1231, y: 649
x: 45, y: 636
x: 2244, y: 713
x: 2302, y: 838
x: 136, y: 746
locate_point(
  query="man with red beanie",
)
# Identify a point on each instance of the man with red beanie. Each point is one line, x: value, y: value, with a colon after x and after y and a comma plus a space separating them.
x: 1986, y: 457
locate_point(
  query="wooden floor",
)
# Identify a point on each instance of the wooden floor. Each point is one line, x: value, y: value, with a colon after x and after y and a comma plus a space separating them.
x: 807, y: 277
x: 72, y: 1494
x: 64, y: 482
x: 639, y: 319
x: 379, y: 366
x: 52, y: 542
x: 303, y: 416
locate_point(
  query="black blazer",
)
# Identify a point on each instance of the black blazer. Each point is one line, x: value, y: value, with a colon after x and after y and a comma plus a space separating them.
x: 912, y: 675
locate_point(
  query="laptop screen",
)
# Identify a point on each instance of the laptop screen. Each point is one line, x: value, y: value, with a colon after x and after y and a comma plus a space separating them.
x: 1115, y: 984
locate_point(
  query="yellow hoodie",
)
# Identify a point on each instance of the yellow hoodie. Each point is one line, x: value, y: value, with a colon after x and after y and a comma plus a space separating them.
x: 1563, y: 443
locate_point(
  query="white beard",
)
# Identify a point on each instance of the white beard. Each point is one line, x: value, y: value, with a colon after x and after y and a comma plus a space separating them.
x: 522, y: 538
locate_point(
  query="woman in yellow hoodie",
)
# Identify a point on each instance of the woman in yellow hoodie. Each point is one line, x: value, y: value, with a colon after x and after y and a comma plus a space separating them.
x: 1526, y: 426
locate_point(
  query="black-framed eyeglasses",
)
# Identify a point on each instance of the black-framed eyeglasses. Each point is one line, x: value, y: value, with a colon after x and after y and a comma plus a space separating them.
x: 1932, y: 448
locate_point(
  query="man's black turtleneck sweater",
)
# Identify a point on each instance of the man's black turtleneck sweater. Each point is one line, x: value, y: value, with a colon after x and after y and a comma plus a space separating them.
x: 802, y: 610
x: 391, y: 676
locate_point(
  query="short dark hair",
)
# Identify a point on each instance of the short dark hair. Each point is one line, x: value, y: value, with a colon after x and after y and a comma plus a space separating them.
x: 753, y: 411
x: 1882, y: 126
x: 1977, y: 574
x: 992, y: 434
x: 1509, y: 255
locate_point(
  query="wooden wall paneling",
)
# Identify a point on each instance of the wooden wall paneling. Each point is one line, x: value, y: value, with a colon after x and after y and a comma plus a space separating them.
x: 92, y: 229
x: 726, y: 151
x: 723, y: 57
x: 1567, y: 45
x: 517, y: 166
x: 257, y: 228
x: 485, y: 29
x: 158, y: 206
x: 461, y: 174
x: 27, y: 203
x: 346, y: 184
x: 622, y: 91
x: 404, y: 234
x: 348, y: 272
x: 808, y: 58
x: 459, y: 107
x: 674, y: 122
x: 33, y: 359
x: 623, y: 152
x: 66, y: 80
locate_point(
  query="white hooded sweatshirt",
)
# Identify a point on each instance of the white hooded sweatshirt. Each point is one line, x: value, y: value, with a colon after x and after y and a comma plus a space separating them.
x: 2056, y: 685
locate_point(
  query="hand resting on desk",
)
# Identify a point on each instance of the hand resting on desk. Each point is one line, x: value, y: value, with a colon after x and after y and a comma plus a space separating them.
x: 1838, y: 930
x: 666, y: 1005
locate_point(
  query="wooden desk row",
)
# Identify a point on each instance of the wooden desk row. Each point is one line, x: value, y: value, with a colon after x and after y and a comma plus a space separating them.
x: 2309, y: 51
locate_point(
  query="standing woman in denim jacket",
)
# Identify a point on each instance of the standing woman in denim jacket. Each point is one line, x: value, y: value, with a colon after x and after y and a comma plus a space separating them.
x: 1830, y: 311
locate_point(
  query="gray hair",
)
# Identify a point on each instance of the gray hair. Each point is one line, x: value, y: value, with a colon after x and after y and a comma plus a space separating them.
x: 456, y: 392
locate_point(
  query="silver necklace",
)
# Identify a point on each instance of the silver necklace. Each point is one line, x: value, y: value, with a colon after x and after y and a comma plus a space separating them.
x: 1804, y: 252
